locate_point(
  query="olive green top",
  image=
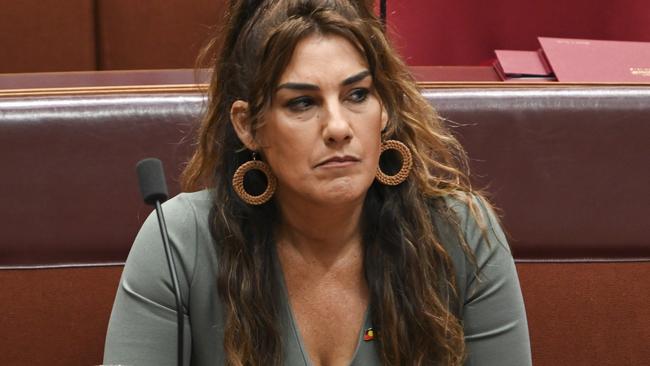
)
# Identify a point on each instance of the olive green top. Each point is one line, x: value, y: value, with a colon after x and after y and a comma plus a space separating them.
x: 142, y: 329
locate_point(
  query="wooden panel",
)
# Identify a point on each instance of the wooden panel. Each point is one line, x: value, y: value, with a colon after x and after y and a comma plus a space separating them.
x: 585, y: 314
x: 46, y: 35
x: 153, y: 34
x: 56, y: 316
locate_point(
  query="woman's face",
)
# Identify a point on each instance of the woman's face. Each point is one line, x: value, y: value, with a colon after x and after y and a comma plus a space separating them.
x: 322, y: 133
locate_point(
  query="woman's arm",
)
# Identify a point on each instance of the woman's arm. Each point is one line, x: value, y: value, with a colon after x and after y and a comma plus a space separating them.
x: 142, y: 328
x: 493, y: 315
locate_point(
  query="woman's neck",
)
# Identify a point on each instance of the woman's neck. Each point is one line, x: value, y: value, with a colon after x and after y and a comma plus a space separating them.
x: 321, y: 235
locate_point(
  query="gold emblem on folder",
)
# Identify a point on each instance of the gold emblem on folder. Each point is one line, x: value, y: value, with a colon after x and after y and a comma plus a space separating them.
x: 640, y: 71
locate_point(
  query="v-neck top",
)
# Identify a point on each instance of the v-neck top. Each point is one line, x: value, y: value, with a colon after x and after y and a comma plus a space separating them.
x: 364, y: 349
x: 142, y: 327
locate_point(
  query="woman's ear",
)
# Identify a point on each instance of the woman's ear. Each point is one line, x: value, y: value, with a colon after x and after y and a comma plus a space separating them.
x: 239, y: 116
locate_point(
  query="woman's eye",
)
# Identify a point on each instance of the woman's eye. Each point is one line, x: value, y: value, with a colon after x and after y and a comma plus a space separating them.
x: 300, y: 104
x: 359, y: 95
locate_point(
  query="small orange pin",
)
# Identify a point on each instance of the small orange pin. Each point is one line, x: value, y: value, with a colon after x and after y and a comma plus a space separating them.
x: 369, y: 335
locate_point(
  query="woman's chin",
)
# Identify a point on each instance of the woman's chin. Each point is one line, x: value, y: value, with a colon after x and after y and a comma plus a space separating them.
x: 327, y: 192
x: 342, y: 191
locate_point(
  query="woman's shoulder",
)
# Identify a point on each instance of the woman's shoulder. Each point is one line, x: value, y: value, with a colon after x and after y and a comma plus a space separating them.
x: 196, y: 204
x: 469, y: 230
x: 470, y: 217
x: 491, y: 306
x: 187, y: 213
x: 186, y: 217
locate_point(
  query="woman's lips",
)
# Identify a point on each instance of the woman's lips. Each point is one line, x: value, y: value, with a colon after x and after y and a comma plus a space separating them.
x: 338, y: 162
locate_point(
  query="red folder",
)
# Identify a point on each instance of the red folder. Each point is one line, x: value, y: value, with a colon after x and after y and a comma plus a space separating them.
x: 522, y: 65
x: 424, y: 74
x: 585, y: 60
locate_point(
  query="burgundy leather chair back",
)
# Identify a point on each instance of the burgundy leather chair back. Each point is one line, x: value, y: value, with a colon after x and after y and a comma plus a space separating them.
x: 567, y: 165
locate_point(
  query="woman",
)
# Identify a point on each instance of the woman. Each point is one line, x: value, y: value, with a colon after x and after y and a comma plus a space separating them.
x: 337, y: 226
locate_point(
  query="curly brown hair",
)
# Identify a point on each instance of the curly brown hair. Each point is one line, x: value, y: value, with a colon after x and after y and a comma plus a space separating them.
x: 408, y: 270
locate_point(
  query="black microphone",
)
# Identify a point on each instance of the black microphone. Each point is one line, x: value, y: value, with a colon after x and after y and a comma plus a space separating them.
x: 151, y: 178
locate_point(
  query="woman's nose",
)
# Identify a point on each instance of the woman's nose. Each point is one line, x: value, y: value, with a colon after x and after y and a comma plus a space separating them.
x: 336, y: 127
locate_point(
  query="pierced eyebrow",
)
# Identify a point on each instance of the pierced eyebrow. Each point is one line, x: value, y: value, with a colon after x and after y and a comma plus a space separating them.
x: 304, y: 86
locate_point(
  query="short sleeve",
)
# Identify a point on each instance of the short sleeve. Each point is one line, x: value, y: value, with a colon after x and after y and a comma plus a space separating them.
x: 142, y: 329
x: 493, y: 313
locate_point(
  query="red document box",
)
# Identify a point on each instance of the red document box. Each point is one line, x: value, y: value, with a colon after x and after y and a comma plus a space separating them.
x: 519, y: 65
x: 584, y: 60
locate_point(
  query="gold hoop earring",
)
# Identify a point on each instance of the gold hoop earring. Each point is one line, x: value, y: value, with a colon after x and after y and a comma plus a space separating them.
x: 238, y: 182
x: 407, y: 163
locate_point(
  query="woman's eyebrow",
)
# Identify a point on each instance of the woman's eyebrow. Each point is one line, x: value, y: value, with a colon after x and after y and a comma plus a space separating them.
x: 305, y: 86
x: 355, y: 78
x: 297, y: 86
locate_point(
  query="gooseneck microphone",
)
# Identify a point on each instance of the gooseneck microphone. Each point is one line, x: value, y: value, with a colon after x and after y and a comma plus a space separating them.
x: 151, y: 178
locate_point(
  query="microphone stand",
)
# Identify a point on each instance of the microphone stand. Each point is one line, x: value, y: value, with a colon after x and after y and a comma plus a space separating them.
x: 180, y: 319
x: 152, y: 184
